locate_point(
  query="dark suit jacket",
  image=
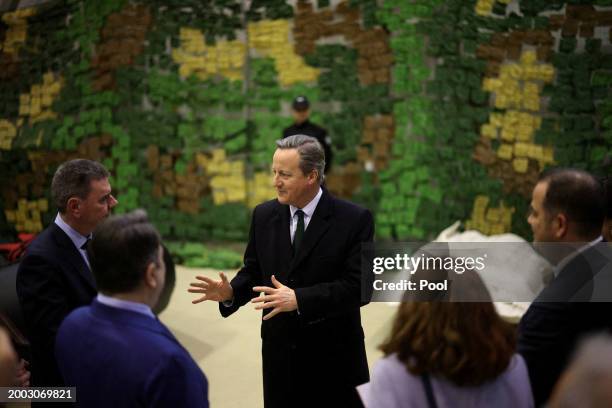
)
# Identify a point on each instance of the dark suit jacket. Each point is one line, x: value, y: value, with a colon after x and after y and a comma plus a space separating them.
x: 121, y: 358
x: 53, y: 279
x: 560, y: 317
x: 310, y: 129
x: 316, y: 357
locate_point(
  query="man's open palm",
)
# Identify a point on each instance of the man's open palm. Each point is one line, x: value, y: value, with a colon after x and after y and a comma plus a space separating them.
x: 216, y: 290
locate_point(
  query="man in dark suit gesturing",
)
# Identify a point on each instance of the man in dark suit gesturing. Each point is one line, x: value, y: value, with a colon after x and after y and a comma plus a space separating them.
x: 304, y: 254
x: 566, y: 217
x: 54, y: 278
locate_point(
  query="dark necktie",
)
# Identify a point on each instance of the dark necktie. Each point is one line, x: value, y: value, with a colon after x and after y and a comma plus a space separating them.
x: 86, y: 244
x: 299, y: 231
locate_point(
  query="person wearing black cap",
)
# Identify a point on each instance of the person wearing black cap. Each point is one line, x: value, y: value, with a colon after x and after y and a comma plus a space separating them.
x: 303, y: 126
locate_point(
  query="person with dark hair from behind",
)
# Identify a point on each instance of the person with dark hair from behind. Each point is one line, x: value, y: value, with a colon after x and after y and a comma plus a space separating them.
x: 54, y: 277
x: 116, y: 352
x: 300, y: 108
x: 566, y: 216
x: 587, y: 382
x: 449, y: 349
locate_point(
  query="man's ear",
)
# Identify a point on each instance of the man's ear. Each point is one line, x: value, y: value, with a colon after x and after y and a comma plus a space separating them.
x: 150, y: 276
x: 313, y: 177
x: 560, y: 225
x: 73, y: 206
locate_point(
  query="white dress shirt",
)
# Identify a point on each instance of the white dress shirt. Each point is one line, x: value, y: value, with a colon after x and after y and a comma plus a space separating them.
x: 308, y: 210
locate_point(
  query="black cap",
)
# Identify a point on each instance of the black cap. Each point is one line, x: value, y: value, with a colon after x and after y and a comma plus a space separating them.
x: 300, y: 103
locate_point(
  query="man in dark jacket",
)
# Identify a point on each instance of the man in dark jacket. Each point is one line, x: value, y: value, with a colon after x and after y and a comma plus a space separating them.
x: 303, y: 126
x: 54, y: 277
x: 566, y: 216
x: 304, y: 253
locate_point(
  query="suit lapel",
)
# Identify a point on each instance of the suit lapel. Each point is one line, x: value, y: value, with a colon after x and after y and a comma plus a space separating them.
x: 72, y: 255
x: 317, y: 226
x: 282, y: 240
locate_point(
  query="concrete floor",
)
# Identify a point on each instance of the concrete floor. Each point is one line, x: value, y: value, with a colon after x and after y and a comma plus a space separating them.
x: 229, y: 350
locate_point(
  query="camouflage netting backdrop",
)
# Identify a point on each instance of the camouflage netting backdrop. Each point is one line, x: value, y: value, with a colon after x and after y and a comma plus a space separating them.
x: 438, y: 110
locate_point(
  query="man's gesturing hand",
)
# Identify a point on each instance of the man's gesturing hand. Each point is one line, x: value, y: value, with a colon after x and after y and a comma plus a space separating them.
x: 219, y: 291
x: 280, y: 297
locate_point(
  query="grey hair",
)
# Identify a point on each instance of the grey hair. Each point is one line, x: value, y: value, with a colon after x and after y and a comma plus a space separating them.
x: 73, y: 179
x: 312, y: 155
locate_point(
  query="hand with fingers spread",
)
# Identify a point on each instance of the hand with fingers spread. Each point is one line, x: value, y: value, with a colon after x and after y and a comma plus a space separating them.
x: 280, y: 297
x: 218, y: 291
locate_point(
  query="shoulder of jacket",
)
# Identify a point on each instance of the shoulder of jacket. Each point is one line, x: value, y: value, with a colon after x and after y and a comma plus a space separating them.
x: 348, y: 206
x: 267, y: 207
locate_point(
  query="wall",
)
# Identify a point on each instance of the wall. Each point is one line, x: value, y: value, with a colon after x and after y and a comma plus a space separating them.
x: 438, y: 110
